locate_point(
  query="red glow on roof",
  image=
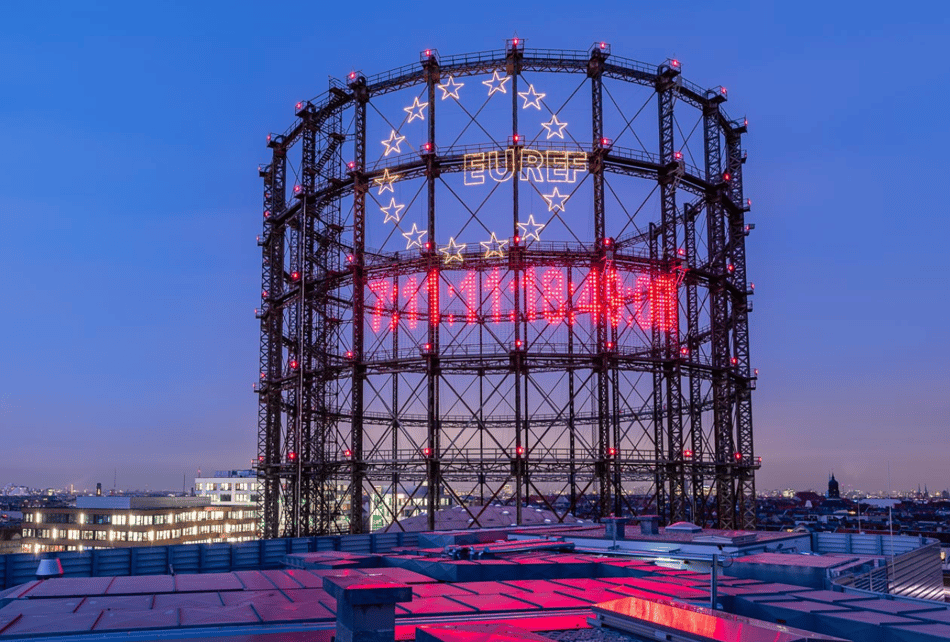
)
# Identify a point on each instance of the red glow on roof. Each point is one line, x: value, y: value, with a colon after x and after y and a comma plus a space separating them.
x: 731, y: 267
x: 734, y: 361
x: 604, y: 142
x: 722, y: 90
x: 611, y: 452
x: 603, y: 45
x: 738, y: 456
x: 426, y: 452
x: 351, y: 165
x: 519, y: 450
x: 297, y: 189
x: 518, y: 343
x: 352, y: 75
x: 347, y: 454
x: 293, y: 364
x: 678, y: 155
x: 294, y: 275
x: 428, y: 52
x: 299, y: 106
x: 291, y: 455
x: 681, y: 251
x: 514, y: 42
x: 266, y: 213
x: 687, y: 454
x: 727, y: 176
x: 260, y: 458
x: 607, y: 241
x: 610, y: 345
x: 427, y: 347
x: 684, y: 351
x: 517, y: 239
x: 675, y: 64
x: 349, y: 354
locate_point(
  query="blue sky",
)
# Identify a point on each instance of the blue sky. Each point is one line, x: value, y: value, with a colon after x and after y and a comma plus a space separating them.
x: 130, y: 203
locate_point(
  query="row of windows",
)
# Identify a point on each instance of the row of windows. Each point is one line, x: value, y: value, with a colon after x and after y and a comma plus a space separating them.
x: 207, y: 486
x: 136, y: 536
x: 136, y: 519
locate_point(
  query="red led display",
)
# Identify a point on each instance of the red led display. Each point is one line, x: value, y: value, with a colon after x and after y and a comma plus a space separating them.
x: 612, y: 296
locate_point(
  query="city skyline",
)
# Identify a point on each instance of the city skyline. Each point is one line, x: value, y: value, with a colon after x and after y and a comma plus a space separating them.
x: 132, y: 205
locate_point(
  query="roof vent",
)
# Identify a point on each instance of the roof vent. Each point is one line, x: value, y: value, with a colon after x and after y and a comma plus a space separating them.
x: 684, y: 527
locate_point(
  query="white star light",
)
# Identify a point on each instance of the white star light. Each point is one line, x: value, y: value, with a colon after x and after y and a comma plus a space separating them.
x: 392, y: 211
x: 531, y: 230
x: 415, y: 110
x: 392, y: 143
x: 554, y: 124
x: 494, y: 247
x: 453, y: 251
x: 530, y: 101
x: 385, y: 182
x: 451, y: 88
x: 556, y: 200
x: 414, y: 237
x: 497, y: 83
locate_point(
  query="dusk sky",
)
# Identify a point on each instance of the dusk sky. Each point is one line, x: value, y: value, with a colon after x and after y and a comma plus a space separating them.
x: 130, y: 203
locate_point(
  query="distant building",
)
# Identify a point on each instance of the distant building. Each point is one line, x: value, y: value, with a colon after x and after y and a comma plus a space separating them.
x: 229, y: 487
x: 119, y: 522
x: 834, y: 491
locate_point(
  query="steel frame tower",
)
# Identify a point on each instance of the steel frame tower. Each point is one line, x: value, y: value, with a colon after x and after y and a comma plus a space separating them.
x: 636, y: 398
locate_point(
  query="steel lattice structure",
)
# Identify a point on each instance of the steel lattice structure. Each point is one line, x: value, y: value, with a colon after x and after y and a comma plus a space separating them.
x: 585, y: 349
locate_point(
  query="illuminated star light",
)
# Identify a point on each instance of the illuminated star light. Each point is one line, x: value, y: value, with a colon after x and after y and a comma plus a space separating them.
x: 531, y: 230
x: 414, y: 237
x: 392, y: 211
x: 494, y: 247
x: 528, y: 100
x: 451, y: 88
x: 497, y: 83
x: 556, y: 200
x: 415, y: 110
x: 392, y: 143
x: 453, y: 251
x: 386, y: 181
x: 554, y: 124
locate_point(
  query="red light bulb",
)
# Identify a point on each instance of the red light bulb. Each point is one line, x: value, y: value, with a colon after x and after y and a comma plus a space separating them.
x: 347, y: 454
x: 675, y: 64
x: 515, y: 42
x: 294, y: 276
x: 428, y: 53
x: 293, y: 364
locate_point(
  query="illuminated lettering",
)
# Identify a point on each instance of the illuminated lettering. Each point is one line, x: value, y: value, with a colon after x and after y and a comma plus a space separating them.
x: 603, y: 295
x: 550, y: 166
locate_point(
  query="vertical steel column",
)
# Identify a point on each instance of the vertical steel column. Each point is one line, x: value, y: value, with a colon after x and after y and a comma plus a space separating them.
x: 696, y: 447
x: 719, y: 317
x: 656, y: 353
x: 674, y: 472
x: 606, y: 470
x: 745, y: 455
x: 270, y: 427
x: 433, y: 363
x: 309, y: 268
x: 361, y: 95
x: 571, y: 410
x: 513, y: 65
